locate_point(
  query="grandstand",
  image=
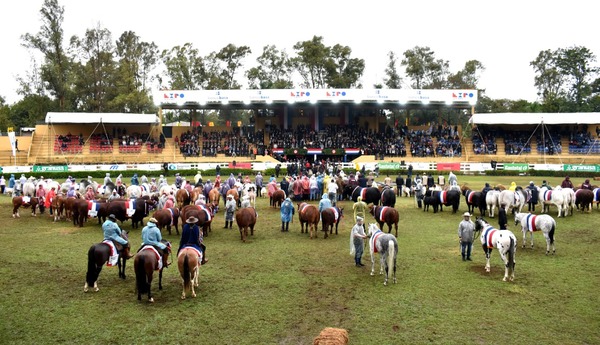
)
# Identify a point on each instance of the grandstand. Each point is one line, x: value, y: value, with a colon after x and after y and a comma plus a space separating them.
x: 291, y: 124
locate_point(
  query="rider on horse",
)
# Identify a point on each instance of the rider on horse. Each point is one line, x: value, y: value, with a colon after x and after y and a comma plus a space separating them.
x: 151, y: 237
x: 191, y: 236
x: 113, y: 232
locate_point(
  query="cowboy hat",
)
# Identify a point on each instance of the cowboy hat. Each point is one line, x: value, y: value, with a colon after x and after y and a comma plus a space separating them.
x: 192, y: 220
x: 466, y: 214
x: 153, y: 220
x: 112, y: 217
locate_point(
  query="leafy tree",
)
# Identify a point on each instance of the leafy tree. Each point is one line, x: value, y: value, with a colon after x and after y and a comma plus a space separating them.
x: 392, y: 78
x: 29, y: 110
x: 342, y: 70
x: 185, y: 69
x: 576, y: 65
x: 468, y: 77
x: 231, y: 57
x: 137, y: 60
x: 274, y: 70
x: 548, y: 80
x: 424, y: 69
x: 311, y: 62
x: 56, y: 68
x: 4, y: 115
x: 95, y: 69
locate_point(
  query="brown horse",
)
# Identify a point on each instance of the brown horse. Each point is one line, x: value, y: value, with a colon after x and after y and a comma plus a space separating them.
x: 167, y: 217
x: 183, y: 197
x: 57, y: 206
x: 387, y: 215
x: 245, y: 218
x: 309, y: 215
x: 80, y: 212
x: 585, y: 199
x: 329, y: 217
x: 26, y: 202
x: 278, y: 197
x: 98, y: 256
x: 188, y: 262
x: 145, y: 263
x: 214, y: 197
x: 68, y: 206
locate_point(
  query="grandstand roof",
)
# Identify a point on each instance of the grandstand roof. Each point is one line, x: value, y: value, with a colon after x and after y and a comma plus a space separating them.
x: 122, y: 118
x: 534, y: 118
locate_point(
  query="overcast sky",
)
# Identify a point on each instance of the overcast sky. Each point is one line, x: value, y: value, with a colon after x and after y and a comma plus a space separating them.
x: 504, y: 35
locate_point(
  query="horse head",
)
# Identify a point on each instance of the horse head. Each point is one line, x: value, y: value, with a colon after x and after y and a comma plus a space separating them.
x: 373, y: 228
x: 480, y: 223
x: 518, y: 217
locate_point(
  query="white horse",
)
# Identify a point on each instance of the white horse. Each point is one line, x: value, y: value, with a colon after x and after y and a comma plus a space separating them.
x: 387, y: 247
x: 569, y: 195
x: 504, y: 240
x: 530, y: 223
x: 134, y: 192
x: 491, y: 200
x: 512, y: 200
x: 29, y: 187
x: 555, y: 197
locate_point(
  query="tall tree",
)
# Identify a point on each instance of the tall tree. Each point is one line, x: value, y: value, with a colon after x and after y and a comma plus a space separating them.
x: 185, y: 69
x: 56, y: 68
x: 231, y: 57
x: 548, y: 80
x: 96, y: 69
x: 576, y: 64
x: 136, y: 61
x: 342, y: 70
x: 274, y: 70
x: 311, y: 62
x: 468, y: 77
x: 392, y: 78
x: 424, y: 69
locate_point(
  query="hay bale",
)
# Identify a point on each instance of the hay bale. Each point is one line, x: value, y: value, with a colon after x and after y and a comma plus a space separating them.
x: 332, y: 336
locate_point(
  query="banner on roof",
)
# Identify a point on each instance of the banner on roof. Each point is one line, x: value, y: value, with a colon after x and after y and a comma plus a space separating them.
x: 516, y: 166
x: 582, y: 167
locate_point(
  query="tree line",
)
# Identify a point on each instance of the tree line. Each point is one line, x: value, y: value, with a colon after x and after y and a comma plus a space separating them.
x: 95, y: 73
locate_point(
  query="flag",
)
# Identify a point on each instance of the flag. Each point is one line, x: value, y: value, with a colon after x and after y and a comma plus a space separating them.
x: 11, y: 138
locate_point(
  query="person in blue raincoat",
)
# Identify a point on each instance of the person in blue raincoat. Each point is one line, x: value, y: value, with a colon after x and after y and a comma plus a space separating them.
x: 134, y: 180
x: 287, y: 214
x: 112, y: 232
x: 325, y: 202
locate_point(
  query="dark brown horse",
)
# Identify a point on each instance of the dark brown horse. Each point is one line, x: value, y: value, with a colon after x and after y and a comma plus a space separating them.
x: 387, y: 215
x: 584, y: 199
x: 80, y: 212
x: 188, y: 262
x: 245, y: 218
x: 145, y: 263
x: 278, y: 197
x: 98, y: 256
x: 203, y: 213
x: 309, y: 215
x: 167, y: 217
x: 26, y: 202
x: 329, y: 217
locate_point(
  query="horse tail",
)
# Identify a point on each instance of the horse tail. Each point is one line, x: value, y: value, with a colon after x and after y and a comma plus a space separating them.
x: 186, y: 273
x: 551, y: 233
x: 391, y: 257
x: 141, y: 281
x: 92, y: 272
x: 511, y: 253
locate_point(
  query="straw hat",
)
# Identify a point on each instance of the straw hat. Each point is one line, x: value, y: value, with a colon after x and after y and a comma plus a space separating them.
x: 192, y: 220
x: 466, y: 214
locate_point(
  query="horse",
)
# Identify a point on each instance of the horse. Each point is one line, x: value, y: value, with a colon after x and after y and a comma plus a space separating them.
x: 245, y: 218
x: 183, y: 198
x: 569, y: 205
x: 26, y: 202
x: 387, y: 215
x: 555, y: 197
x: 473, y: 199
x: 145, y: 263
x: 188, y: 262
x: 504, y: 240
x: 387, y: 247
x: 491, y: 201
x: 278, y: 197
x: 236, y: 196
x: 329, y: 217
x: 388, y: 197
x: 309, y: 215
x: 448, y: 198
x: 585, y: 198
x: 167, y: 217
x: 214, y: 197
x: 369, y: 195
x: 530, y: 223
x: 513, y: 201
x: 596, y: 192
x: 99, y: 254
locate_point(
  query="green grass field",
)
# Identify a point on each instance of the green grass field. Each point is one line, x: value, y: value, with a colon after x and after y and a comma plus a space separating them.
x: 283, y: 288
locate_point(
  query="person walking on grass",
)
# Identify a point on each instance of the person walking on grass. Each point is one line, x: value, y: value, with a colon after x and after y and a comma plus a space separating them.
x: 466, y: 229
x: 357, y: 241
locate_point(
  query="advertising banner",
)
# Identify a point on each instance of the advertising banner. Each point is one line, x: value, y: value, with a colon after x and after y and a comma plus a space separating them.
x: 389, y: 166
x: 516, y: 166
x: 582, y: 167
x: 448, y: 166
x: 50, y: 168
